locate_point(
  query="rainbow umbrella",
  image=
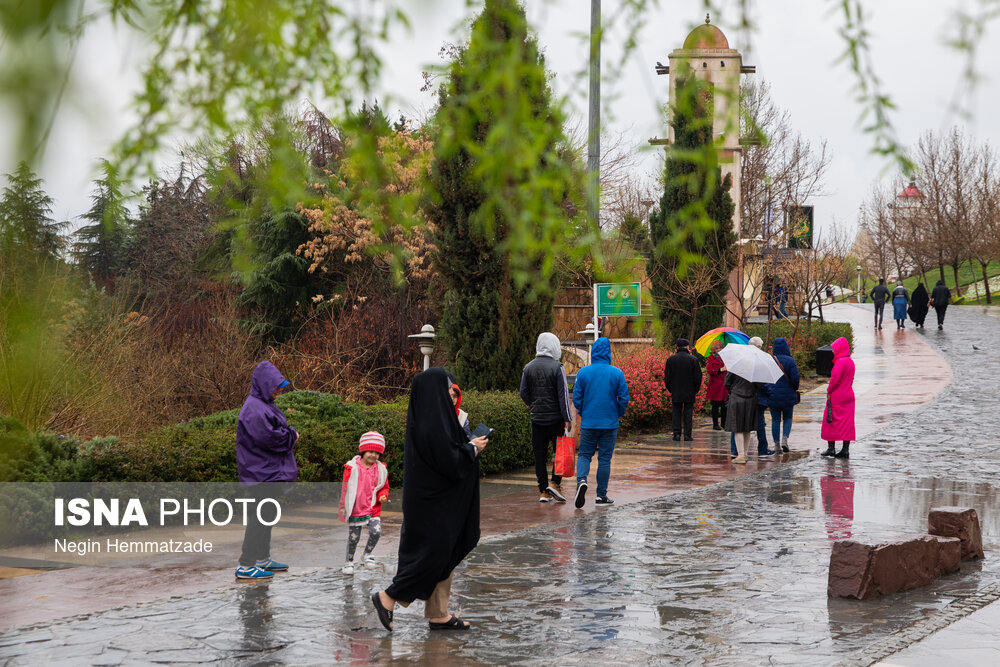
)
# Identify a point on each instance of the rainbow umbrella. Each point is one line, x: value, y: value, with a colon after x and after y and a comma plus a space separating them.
x: 703, y: 345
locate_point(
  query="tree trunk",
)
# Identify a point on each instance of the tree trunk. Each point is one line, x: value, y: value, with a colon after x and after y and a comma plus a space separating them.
x: 694, y: 318
x: 975, y: 282
x: 986, y: 282
x: 819, y: 307
x: 941, y: 269
x: 954, y: 269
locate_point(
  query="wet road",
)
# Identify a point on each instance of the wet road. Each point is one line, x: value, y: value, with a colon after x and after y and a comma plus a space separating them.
x: 729, y: 573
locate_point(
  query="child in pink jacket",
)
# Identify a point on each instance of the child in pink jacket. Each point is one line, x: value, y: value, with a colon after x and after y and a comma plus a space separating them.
x: 366, y: 487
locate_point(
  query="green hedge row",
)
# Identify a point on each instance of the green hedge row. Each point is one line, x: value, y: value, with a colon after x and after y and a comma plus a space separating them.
x: 204, y: 449
x: 805, y: 339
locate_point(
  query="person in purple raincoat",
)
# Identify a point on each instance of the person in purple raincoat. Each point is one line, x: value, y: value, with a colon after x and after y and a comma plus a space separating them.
x: 265, y: 462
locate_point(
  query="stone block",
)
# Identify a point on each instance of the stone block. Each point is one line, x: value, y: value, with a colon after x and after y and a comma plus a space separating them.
x: 863, y: 570
x: 960, y: 522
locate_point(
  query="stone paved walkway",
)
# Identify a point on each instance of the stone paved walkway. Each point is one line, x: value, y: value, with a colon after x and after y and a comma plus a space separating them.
x: 729, y: 573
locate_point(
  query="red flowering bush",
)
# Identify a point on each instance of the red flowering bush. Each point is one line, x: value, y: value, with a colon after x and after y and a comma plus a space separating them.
x: 649, y: 404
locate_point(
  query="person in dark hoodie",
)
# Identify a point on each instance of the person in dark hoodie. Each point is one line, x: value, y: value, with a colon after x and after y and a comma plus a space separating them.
x: 782, y: 395
x: 682, y: 378
x: 940, y: 298
x: 918, y: 305
x: 544, y: 391
x: 265, y: 463
x: 600, y: 395
x: 440, y: 504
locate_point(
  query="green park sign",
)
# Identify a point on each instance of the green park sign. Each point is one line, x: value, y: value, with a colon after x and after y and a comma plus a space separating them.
x: 617, y: 299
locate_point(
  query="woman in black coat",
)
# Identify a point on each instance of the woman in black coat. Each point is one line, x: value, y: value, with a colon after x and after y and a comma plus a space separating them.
x: 918, y: 305
x: 440, y: 503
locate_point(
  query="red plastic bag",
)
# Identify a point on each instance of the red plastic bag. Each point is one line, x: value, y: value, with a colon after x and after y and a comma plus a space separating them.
x: 565, y: 456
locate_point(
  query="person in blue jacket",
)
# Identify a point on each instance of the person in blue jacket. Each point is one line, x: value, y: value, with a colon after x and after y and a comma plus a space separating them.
x: 600, y: 396
x: 781, y: 395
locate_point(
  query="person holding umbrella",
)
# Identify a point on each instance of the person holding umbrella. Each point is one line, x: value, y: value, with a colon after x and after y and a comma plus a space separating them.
x: 747, y: 367
x: 838, y: 417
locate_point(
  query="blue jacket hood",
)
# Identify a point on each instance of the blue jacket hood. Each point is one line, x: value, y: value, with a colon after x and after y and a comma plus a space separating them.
x: 601, y: 352
x: 780, y: 346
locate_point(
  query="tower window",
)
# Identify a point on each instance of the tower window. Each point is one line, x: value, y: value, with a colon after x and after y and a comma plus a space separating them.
x: 722, y: 63
x: 704, y: 64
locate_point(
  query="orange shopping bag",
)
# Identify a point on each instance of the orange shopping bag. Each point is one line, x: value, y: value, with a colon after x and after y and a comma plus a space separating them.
x: 565, y: 456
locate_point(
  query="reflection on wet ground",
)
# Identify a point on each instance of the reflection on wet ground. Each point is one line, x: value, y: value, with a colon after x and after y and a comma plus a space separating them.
x: 731, y: 573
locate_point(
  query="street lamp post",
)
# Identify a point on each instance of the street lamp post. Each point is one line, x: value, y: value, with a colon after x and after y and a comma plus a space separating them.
x: 426, y: 341
x: 590, y: 331
x: 859, y: 283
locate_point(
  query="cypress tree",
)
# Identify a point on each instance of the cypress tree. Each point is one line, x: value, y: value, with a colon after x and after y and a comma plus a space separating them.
x: 692, y: 231
x: 26, y: 224
x: 499, y: 160
x: 99, y: 247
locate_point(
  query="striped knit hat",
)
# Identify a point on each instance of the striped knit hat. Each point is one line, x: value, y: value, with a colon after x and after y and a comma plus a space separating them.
x: 372, y: 441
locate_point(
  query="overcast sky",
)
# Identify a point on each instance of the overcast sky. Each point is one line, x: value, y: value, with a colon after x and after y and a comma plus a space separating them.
x: 795, y: 47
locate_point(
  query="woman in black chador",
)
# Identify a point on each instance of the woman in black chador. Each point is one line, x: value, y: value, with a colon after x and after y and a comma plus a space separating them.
x: 440, y: 504
x: 918, y: 305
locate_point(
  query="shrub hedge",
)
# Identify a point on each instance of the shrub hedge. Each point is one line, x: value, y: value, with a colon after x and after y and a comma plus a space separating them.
x: 805, y: 340
x: 204, y: 449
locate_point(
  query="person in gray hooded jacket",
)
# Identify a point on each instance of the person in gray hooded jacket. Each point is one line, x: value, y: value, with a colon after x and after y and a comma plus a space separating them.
x: 544, y: 391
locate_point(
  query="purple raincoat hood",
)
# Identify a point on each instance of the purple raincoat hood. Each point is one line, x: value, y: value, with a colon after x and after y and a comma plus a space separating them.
x: 264, y: 440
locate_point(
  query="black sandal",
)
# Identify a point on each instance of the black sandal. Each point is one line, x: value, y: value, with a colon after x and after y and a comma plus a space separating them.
x: 453, y: 623
x: 384, y: 615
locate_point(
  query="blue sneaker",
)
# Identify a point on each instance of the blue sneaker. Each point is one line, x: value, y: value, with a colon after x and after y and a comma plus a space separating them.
x: 252, y: 572
x: 271, y: 565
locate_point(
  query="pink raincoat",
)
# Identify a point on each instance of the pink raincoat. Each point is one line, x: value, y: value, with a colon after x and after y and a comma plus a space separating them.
x: 840, y: 395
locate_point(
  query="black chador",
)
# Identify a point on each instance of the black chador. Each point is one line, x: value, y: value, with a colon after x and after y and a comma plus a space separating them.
x: 440, y: 490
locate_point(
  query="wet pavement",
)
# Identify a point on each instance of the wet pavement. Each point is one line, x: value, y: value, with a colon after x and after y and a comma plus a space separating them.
x: 701, y: 562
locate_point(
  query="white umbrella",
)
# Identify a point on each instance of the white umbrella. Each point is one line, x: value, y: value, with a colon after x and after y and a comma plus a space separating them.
x: 750, y: 363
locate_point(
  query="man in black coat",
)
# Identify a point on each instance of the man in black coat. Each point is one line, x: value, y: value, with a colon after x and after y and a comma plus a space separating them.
x: 879, y: 296
x: 940, y: 298
x: 682, y: 377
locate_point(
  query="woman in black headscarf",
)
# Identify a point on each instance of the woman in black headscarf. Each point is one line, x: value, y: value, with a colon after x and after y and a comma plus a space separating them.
x: 918, y: 305
x: 440, y: 504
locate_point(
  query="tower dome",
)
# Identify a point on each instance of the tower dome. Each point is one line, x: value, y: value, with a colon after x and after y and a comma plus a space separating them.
x: 706, y: 36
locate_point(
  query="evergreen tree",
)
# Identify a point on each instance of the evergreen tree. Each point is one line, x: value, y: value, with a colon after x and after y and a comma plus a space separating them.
x: 278, y: 289
x: 692, y: 231
x: 499, y: 155
x: 100, y: 245
x: 26, y: 223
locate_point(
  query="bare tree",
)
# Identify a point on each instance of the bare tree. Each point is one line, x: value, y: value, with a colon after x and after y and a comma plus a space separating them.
x: 780, y: 169
x: 984, y: 213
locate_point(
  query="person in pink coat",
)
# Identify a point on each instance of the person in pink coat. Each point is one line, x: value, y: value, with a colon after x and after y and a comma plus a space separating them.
x: 838, y: 417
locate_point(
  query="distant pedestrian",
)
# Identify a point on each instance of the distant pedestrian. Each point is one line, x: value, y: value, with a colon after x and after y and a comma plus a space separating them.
x: 365, y: 488
x: 440, y: 504
x: 880, y: 294
x: 783, y: 394
x: 782, y: 295
x: 741, y: 416
x: 838, y: 417
x: 918, y: 305
x: 600, y: 395
x: 829, y: 293
x: 682, y: 377
x: 544, y: 391
x: 900, y: 299
x: 717, y: 393
x: 940, y: 298
x: 265, y: 465
x: 762, y: 405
